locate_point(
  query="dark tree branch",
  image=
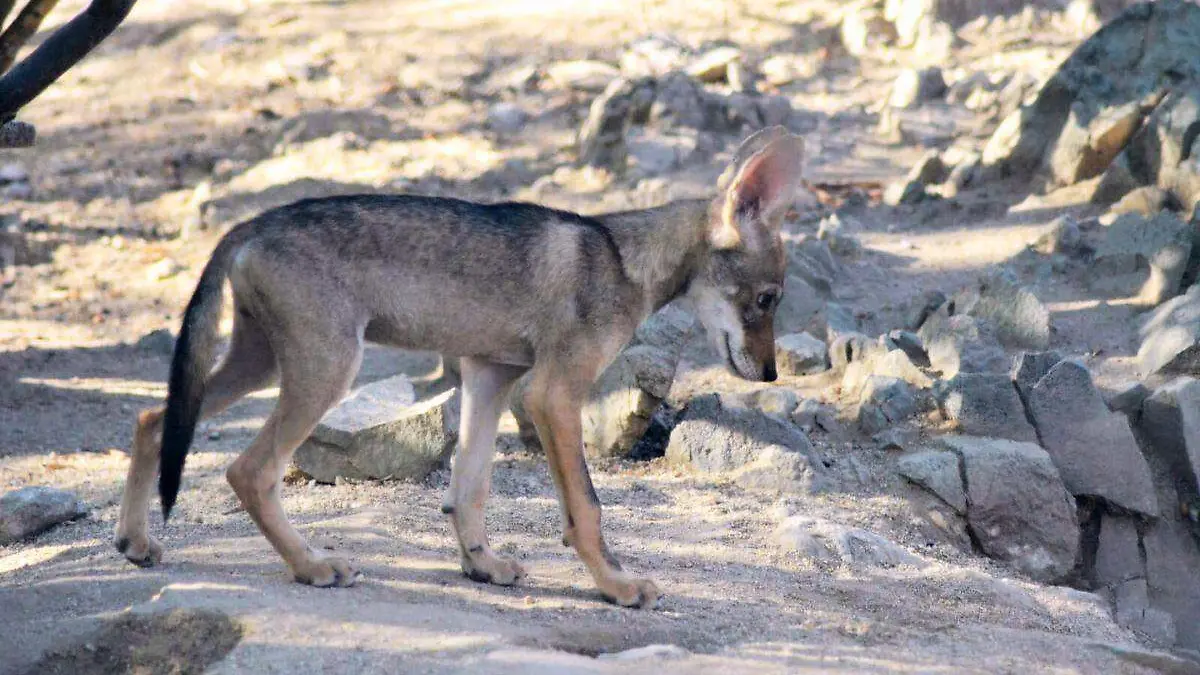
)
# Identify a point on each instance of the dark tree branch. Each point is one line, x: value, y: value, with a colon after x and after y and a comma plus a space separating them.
x: 17, y: 135
x: 63, y: 49
x: 6, y: 7
x: 23, y: 27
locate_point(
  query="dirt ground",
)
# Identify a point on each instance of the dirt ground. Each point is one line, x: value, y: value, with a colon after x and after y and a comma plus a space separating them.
x: 233, y: 103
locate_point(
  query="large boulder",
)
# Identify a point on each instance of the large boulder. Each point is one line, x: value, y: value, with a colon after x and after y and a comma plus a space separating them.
x: 29, y: 511
x: 1017, y: 506
x: 1171, y: 336
x: 1143, y: 256
x: 1093, y: 448
x: 1173, y: 575
x: 1170, y: 421
x: 380, y: 432
x: 1118, y: 553
x: 1020, y: 319
x: 713, y: 436
x: 1160, y: 154
x: 961, y: 343
x: 985, y: 404
x: 938, y: 472
x: 1088, y: 111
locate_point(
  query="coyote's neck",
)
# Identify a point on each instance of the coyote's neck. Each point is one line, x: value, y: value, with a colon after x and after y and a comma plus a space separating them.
x: 662, y: 248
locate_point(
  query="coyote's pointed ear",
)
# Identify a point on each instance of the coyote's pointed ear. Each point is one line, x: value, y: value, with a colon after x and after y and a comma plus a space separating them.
x: 758, y: 194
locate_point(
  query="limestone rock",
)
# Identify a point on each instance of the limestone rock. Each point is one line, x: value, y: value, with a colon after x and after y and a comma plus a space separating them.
x: 31, y: 510
x: 1093, y: 448
x: 800, y: 354
x: 1143, y: 256
x: 1017, y: 506
x: 713, y: 437
x: 937, y: 472
x: 1170, y: 421
x: 380, y: 432
x: 986, y: 404
x: 1171, y: 336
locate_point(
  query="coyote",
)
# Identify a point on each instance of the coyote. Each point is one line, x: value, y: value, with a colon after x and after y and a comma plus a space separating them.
x: 508, y: 288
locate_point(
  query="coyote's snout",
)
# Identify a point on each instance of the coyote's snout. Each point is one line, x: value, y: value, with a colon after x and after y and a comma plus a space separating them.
x: 510, y: 288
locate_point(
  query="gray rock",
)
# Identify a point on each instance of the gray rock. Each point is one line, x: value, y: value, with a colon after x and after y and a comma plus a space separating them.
x: 1094, y: 103
x: 601, y: 139
x: 1062, y: 236
x: 680, y: 102
x: 1020, y: 319
x: 653, y: 56
x: 159, y: 341
x: 1093, y: 448
x: 582, y: 74
x: 904, y: 192
x: 927, y: 304
x: 1118, y: 558
x: 801, y: 309
x: 878, y: 361
x: 929, y: 170
x: 624, y: 398
x: 713, y: 65
x: 1017, y: 506
x: 939, y: 473
x: 1159, y: 154
x: 1170, y: 421
x: 895, y: 439
x: 910, y: 343
x: 863, y: 28
x: 884, y: 401
x: 1030, y: 367
x: 986, y: 404
x: 801, y: 354
x: 811, y: 260
x: 777, y: 401
x: 1173, y: 575
x: 713, y: 437
x: 1171, y: 336
x: 31, y: 510
x: 506, y: 117
x: 961, y: 343
x: 1134, y: 612
x: 839, y: 322
x: 913, y: 87
x: 1143, y: 256
x: 1146, y: 201
x: 811, y: 415
x: 783, y: 69
x: 653, y: 152
x: 13, y: 172
x: 825, y: 541
x: 380, y: 432
x: 1127, y: 399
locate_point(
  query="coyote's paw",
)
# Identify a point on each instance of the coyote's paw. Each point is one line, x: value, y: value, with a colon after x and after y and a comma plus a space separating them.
x: 326, y: 572
x: 143, y: 551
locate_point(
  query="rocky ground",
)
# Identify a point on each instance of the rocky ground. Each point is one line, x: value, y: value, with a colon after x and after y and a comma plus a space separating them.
x: 982, y: 458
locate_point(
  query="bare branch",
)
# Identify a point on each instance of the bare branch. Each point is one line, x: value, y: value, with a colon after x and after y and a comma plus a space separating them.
x: 6, y: 7
x: 63, y: 49
x: 23, y: 27
x: 17, y: 135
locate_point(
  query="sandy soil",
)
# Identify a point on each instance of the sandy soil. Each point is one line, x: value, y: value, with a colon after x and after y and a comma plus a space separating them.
x: 232, y: 102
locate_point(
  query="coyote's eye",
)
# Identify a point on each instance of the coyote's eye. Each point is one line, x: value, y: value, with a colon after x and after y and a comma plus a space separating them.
x: 766, y: 300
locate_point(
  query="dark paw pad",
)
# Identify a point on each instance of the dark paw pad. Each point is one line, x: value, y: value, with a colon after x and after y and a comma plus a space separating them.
x: 123, y: 544
x: 478, y: 575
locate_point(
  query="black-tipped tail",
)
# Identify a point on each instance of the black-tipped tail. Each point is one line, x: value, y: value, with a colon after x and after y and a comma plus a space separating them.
x: 190, y: 366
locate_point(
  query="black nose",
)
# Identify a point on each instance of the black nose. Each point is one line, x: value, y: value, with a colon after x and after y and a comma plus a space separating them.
x: 769, y: 374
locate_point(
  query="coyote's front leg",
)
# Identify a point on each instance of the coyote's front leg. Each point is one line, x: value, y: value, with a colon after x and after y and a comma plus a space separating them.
x: 555, y: 404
